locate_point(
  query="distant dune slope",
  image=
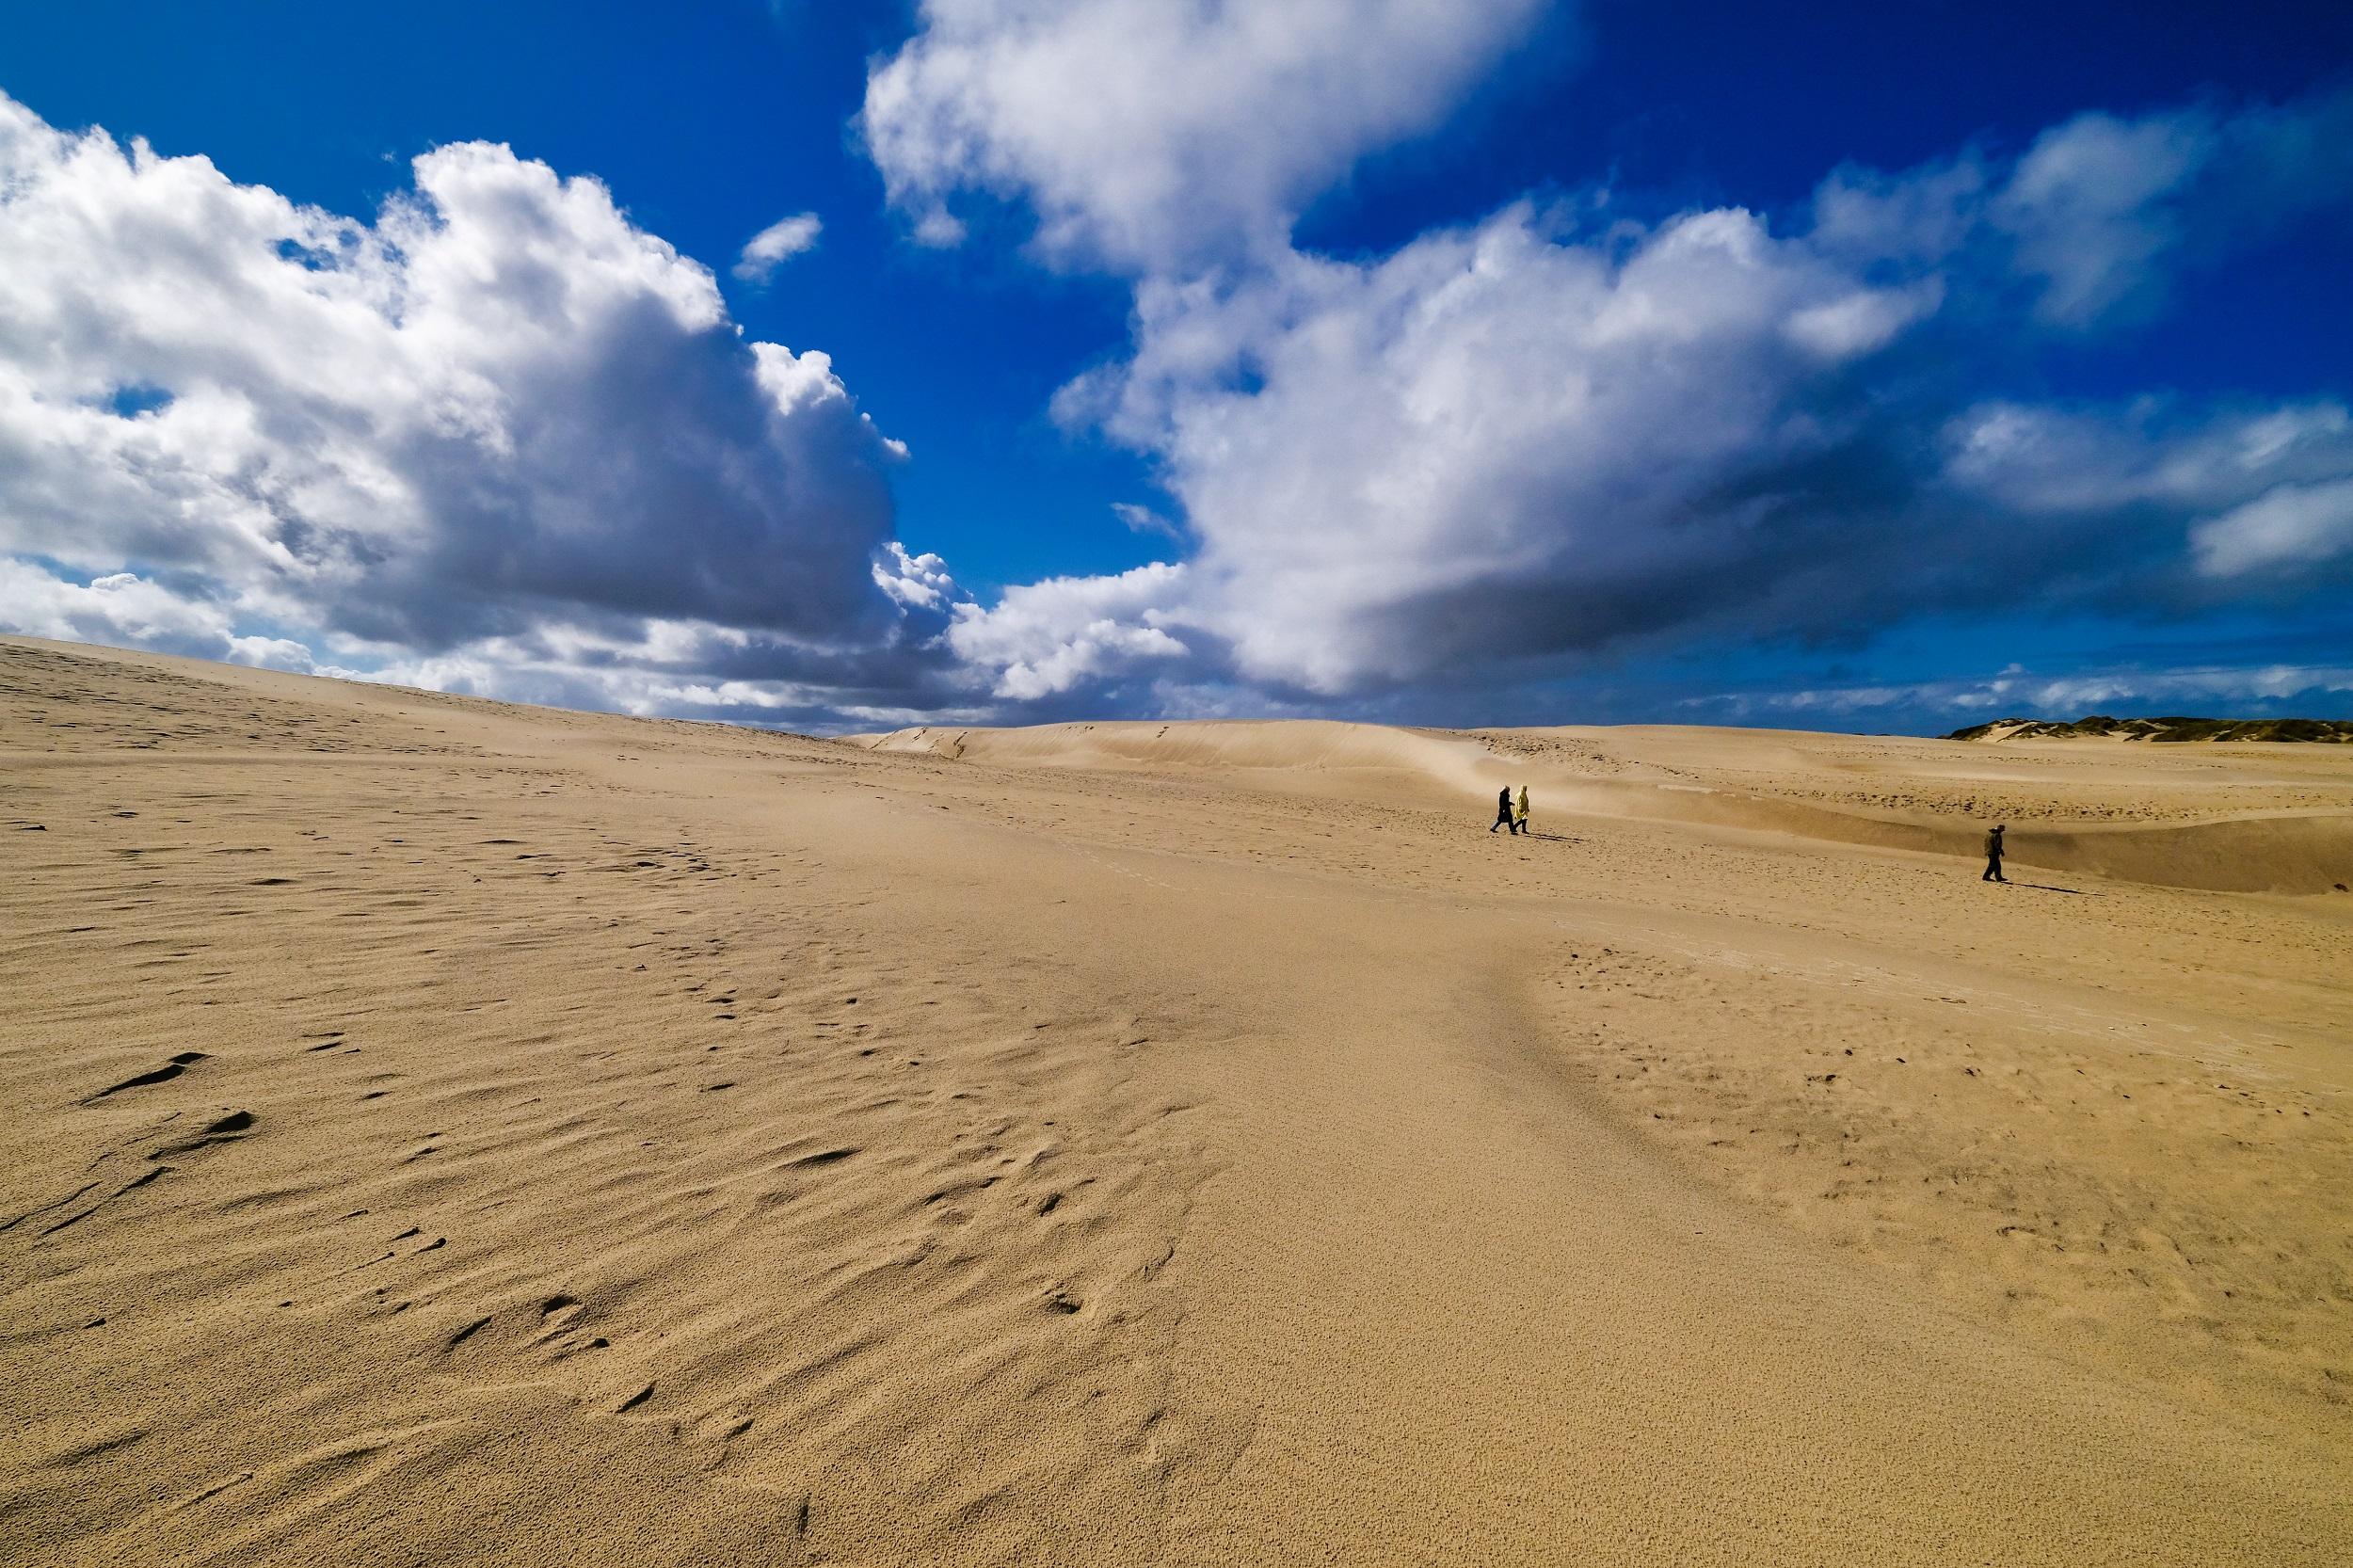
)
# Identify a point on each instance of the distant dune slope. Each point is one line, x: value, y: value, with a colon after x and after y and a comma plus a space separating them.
x: 2101, y: 726
x: 1451, y: 760
x: 2292, y: 833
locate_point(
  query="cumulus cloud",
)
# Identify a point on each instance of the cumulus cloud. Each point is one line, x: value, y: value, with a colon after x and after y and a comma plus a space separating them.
x: 497, y: 439
x: 1497, y: 440
x: 1557, y: 434
x: 1045, y: 638
x: 916, y: 582
x: 1151, y: 136
x: 497, y: 412
x: 692, y: 670
x: 2290, y: 525
x: 122, y: 607
x: 776, y: 243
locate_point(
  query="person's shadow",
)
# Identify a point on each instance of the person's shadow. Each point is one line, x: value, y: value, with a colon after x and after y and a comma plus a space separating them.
x: 2047, y: 888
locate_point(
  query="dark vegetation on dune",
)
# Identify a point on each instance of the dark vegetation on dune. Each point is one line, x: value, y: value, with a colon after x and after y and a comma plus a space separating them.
x: 2169, y: 728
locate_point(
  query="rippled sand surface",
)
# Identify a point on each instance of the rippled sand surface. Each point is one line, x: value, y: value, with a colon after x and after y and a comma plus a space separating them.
x: 439, y: 1131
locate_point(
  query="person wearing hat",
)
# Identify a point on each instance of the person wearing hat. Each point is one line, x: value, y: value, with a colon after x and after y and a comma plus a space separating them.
x: 1993, y: 854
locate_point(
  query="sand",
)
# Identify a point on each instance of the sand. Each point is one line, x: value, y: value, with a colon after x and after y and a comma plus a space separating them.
x: 439, y: 1131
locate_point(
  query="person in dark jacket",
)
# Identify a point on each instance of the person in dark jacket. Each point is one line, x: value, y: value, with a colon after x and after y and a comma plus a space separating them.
x: 1503, y: 808
x: 1993, y: 855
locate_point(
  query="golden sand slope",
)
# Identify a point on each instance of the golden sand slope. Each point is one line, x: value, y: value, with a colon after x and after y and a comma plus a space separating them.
x: 439, y: 1131
x: 2239, y: 818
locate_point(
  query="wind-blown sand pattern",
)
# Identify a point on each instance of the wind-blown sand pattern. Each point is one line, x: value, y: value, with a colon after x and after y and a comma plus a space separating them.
x: 441, y: 1131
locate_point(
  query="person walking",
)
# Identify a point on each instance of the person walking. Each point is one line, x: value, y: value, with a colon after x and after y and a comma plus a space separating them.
x: 1519, y: 812
x: 1503, y: 810
x: 1993, y: 854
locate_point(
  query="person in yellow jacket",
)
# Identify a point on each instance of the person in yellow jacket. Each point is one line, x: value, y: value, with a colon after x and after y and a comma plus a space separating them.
x: 1519, y: 812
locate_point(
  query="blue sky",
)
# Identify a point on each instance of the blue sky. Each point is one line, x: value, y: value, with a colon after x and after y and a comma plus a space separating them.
x: 1440, y: 356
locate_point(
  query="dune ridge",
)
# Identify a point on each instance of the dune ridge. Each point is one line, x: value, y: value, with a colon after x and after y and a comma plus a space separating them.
x: 2173, y: 729
x: 2236, y: 845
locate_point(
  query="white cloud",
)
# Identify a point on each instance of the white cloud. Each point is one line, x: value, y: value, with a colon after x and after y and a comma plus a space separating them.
x: 916, y: 582
x: 2092, y: 223
x: 2097, y: 204
x: 498, y: 439
x: 2291, y: 525
x: 1147, y: 134
x: 123, y: 609
x: 772, y: 245
x: 498, y: 410
x: 1497, y: 441
x: 2147, y: 454
x: 2089, y: 205
x: 113, y: 607
x: 1144, y: 520
x: 1539, y: 437
x: 1043, y: 639
x: 1863, y: 322
x: 2021, y: 694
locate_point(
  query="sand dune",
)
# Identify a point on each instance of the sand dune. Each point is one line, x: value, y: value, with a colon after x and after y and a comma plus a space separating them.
x: 2284, y: 824
x: 441, y: 1131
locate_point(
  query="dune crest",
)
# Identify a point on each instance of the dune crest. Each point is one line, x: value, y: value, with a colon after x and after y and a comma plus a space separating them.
x: 2284, y: 825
